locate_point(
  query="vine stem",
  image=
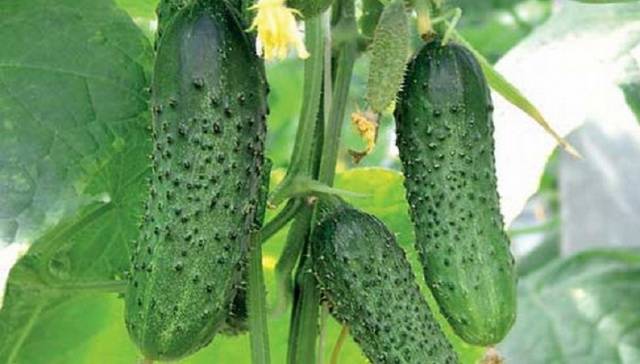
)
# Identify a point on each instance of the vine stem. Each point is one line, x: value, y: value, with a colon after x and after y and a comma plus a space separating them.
x: 274, y: 225
x: 301, y: 156
x: 258, y: 331
x: 339, y: 344
x: 304, y: 316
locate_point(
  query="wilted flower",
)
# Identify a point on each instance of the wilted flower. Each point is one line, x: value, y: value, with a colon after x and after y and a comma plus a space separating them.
x: 366, y: 124
x: 277, y: 30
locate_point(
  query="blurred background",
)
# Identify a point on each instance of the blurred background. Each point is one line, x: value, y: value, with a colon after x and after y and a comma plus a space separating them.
x: 574, y: 223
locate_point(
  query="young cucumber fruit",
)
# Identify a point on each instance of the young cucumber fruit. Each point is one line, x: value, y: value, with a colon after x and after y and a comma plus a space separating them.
x: 389, y: 52
x: 209, y: 110
x: 368, y: 282
x: 445, y: 138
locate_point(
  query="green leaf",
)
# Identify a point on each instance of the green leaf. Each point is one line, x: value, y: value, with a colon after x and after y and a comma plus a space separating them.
x: 582, y: 309
x: 73, y: 114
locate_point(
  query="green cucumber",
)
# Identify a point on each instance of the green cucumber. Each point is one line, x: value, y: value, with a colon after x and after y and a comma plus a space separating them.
x: 389, y: 55
x: 445, y: 138
x: 209, y: 112
x: 368, y: 282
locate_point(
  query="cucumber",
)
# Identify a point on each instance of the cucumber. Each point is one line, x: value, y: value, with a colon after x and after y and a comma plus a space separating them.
x: 389, y: 54
x: 209, y: 111
x: 445, y: 138
x: 368, y: 282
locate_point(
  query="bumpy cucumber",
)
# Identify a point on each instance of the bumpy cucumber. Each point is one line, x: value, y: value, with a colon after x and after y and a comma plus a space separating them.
x: 367, y: 279
x: 209, y: 111
x: 445, y: 138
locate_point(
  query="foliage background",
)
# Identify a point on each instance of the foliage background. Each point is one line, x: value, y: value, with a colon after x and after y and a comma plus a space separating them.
x: 73, y: 112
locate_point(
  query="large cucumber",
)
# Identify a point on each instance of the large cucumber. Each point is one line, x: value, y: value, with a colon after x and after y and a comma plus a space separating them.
x: 367, y: 279
x: 209, y: 112
x: 445, y: 138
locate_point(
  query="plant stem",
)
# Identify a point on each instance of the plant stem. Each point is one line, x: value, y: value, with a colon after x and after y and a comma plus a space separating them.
x: 304, y: 322
x: 274, y: 225
x: 302, y: 149
x: 324, y: 314
x: 338, y: 347
x: 347, y: 55
x: 305, y: 308
x: 259, y: 334
x: 290, y: 256
x: 99, y: 286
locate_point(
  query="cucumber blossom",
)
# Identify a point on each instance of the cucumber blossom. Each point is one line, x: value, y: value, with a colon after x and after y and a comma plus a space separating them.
x: 209, y: 111
x: 445, y: 138
x: 365, y: 276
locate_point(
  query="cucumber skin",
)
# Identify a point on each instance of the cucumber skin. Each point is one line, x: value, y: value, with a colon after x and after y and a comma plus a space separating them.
x: 369, y: 283
x: 209, y: 113
x: 445, y: 137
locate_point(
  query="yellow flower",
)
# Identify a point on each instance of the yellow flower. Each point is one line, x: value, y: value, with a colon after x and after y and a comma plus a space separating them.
x: 367, y: 126
x: 277, y: 30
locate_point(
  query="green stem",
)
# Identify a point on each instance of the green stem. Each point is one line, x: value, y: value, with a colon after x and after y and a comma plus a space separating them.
x: 313, y: 71
x: 338, y: 347
x: 274, y: 225
x: 535, y: 229
x: 304, y: 322
x: 306, y: 301
x: 259, y: 334
x: 98, y: 287
x: 346, y: 58
x: 290, y: 256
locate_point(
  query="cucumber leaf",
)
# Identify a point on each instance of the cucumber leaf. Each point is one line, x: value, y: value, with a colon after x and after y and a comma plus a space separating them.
x: 582, y: 309
x: 73, y: 118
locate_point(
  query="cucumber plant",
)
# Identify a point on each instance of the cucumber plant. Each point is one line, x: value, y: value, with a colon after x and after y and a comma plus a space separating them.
x: 196, y: 267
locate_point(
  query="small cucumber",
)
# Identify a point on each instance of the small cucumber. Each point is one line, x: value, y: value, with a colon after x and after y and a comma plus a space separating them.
x: 389, y: 55
x: 209, y: 112
x: 445, y: 138
x: 365, y: 276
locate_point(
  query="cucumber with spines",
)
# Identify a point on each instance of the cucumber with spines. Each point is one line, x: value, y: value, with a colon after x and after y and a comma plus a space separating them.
x: 209, y: 111
x: 445, y: 139
x: 368, y: 282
